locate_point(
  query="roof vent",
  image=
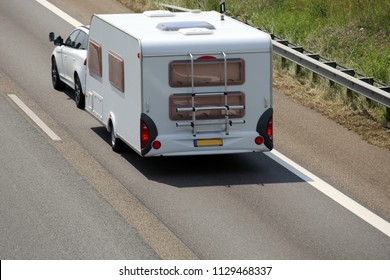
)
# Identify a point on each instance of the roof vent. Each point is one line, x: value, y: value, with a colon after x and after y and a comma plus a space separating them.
x: 195, y: 31
x: 176, y: 25
x: 159, y: 13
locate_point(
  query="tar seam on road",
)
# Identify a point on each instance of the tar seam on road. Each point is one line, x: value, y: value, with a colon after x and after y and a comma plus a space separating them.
x: 34, y: 117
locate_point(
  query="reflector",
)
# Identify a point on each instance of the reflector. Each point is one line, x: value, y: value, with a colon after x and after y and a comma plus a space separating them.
x: 156, y: 145
x: 259, y: 140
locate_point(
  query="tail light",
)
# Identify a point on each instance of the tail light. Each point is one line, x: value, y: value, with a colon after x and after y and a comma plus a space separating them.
x: 144, y: 135
x: 270, y: 128
x: 207, y: 57
x: 85, y: 62
x: 265, y: 128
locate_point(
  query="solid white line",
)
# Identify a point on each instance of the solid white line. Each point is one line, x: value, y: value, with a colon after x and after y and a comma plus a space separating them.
x: 331, y: 192
x: 298, y: 170
x: 60, y: 13
x: 34, y: 117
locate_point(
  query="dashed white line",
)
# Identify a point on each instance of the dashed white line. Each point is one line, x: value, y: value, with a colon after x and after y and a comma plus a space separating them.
x: 34, y: 117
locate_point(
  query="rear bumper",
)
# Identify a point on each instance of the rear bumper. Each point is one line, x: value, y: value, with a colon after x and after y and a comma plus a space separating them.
x: 184, y: 144
x: 236, y: 141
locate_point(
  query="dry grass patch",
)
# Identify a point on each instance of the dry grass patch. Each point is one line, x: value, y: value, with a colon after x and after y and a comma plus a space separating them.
x: 331, y: 103
x: 138, y: 6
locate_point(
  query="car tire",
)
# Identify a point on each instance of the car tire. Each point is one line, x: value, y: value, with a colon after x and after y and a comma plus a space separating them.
x: 78, y: 92
x: 55, y: 76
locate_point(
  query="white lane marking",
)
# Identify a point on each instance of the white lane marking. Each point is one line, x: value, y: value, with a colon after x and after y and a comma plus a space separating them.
x: 331, y: 192
x: 60, y: 13
x: 298, y: 170
x: 34, y: 117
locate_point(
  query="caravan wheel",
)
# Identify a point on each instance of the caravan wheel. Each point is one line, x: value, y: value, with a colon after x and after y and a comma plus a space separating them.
x: 116, y: 143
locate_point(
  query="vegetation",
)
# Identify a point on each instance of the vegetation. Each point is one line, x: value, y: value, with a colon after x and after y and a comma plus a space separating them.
x: 355, y: 33
x: 352, y: 32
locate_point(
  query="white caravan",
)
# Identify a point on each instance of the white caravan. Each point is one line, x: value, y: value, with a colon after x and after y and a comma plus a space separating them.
x: 169, y: 84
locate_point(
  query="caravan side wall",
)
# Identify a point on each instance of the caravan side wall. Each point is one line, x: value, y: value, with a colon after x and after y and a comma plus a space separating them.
x: 116, y: 98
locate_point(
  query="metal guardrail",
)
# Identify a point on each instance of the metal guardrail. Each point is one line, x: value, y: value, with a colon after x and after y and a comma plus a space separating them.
x: 348, y: 78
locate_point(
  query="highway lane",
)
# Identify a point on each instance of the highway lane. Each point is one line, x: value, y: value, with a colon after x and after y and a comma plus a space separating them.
x: 239, y: 206
x: 49, y: 211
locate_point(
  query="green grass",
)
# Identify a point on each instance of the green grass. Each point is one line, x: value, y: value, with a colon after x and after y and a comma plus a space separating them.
x: 355, y: 33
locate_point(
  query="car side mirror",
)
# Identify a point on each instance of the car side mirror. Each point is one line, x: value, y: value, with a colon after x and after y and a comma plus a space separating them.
x: 57, y: 41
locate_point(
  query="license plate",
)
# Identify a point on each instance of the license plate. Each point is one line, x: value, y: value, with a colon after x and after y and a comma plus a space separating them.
x: 208, y: 142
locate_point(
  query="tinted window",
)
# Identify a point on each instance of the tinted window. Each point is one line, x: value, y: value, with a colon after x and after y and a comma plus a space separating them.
x: 71, y: 41
x: 81, y: 41
x: 206, y: 72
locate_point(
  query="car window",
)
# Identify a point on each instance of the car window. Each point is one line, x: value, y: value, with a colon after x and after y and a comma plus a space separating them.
x: 81, y: 41
x: 71, y: 41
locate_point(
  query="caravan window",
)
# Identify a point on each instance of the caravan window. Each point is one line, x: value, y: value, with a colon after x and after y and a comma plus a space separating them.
x: 207, y: 72
x: 116, y: 71
x: 95, y: 58
x: 185, y: 101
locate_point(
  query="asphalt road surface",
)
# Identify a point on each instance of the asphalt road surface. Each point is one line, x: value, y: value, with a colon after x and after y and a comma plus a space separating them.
x: 76, y: 199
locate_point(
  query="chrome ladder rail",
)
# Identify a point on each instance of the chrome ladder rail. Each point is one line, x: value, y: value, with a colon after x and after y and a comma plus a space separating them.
x: 195, y: 123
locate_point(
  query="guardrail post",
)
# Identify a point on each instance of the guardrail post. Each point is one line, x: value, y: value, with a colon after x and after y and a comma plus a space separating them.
x: 314, y: 75
x: 350, y: 94
x: 284, y: 60
x: 334, y: 65
x: 387, y: 113
x: 368, y: 80
x: 298, y: 68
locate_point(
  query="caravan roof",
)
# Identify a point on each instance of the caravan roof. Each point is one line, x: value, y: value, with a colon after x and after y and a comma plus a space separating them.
x: 166, y: 33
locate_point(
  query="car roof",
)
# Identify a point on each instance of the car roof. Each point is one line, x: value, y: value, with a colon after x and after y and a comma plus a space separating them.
x: 84, y: 28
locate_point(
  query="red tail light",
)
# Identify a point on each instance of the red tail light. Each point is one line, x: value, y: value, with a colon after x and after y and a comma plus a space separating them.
x: 206, y: 57
x: 144, y: 135
x: 270, y: 128
x: 85, y: 62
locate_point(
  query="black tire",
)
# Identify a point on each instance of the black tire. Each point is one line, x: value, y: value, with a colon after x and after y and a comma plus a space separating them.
x: 78, y: 92
x: 116, y: 143
x: 55, y: 77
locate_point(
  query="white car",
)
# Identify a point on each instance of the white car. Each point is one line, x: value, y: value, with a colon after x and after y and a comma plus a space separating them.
x: 68, y: 62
